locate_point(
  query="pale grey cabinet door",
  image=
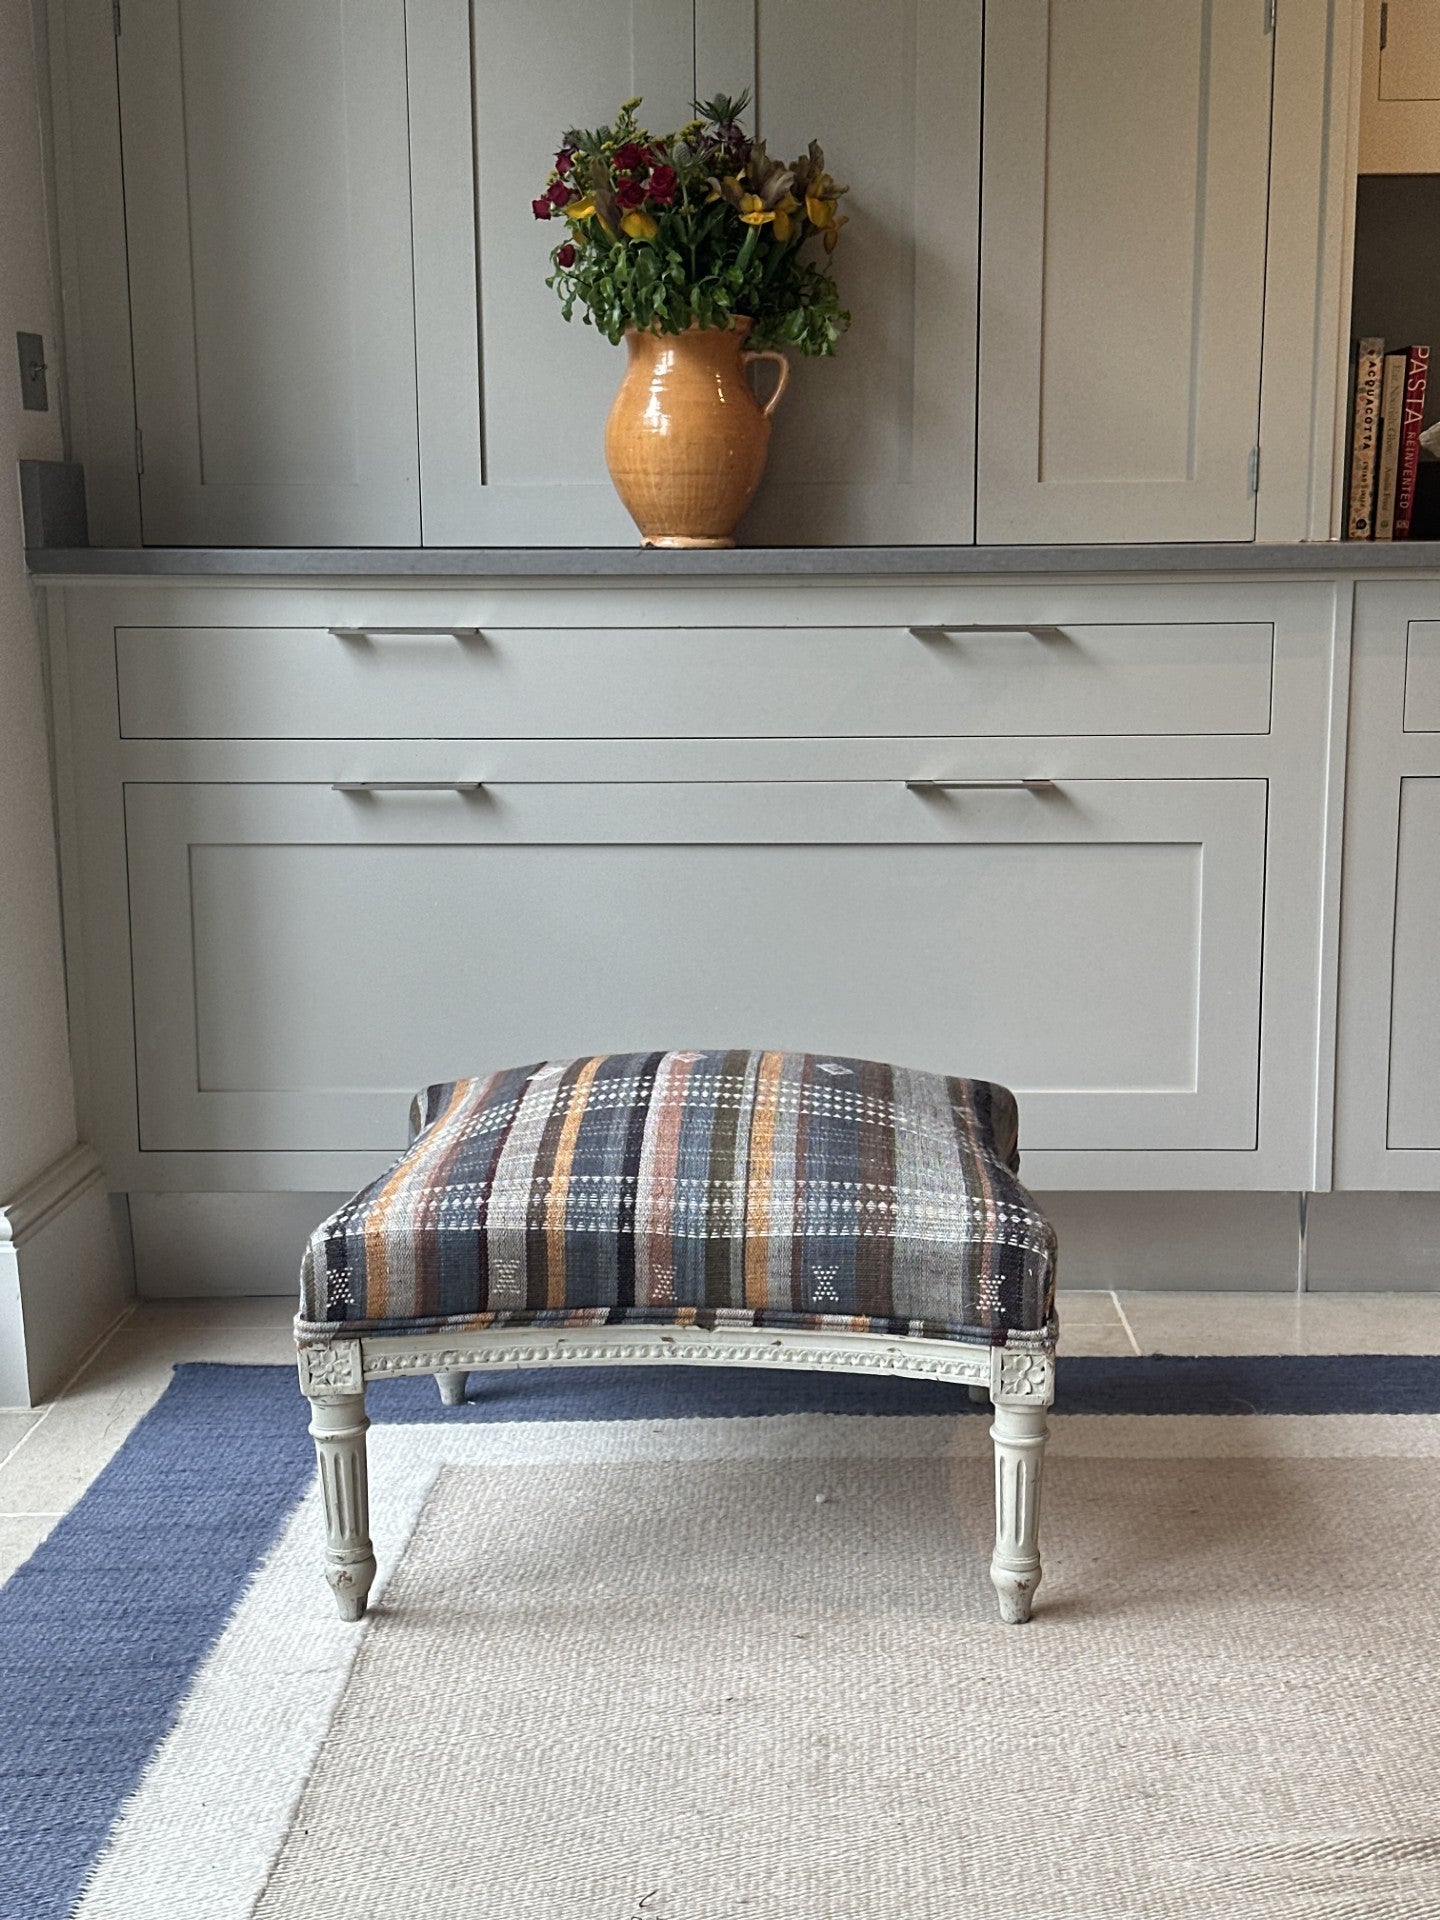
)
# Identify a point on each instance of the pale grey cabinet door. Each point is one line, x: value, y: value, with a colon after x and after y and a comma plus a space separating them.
x: 1122, y: 269
x: 267, y: 221
x: 876, y: 445
x: 1387, y: 1129
x: 304, y: 959
x: 512, y: 400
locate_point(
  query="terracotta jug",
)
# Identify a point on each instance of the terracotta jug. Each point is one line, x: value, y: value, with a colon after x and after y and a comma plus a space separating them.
x: 686, y: 439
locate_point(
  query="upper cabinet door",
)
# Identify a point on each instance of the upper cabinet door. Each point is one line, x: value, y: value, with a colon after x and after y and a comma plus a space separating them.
x: 1122, y: 269
x: 1400, y: 87
x: 512, y: 400
x: 267, y: 211
x: 876, y: 445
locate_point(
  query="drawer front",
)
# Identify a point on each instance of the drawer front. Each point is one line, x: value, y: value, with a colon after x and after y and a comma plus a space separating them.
x: 1422, y: 677
x: 1082, y: 677
x: 303, y: 958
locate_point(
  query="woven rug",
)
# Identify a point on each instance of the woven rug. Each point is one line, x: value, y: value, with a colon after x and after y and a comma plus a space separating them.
x: 698, y: 1647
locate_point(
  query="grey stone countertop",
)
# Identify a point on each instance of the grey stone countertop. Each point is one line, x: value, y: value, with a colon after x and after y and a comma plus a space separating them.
x: 641, y: 563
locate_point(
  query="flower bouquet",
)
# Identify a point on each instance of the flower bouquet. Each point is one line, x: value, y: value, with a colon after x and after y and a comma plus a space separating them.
x: 698, y: 250
x: 695, y: 228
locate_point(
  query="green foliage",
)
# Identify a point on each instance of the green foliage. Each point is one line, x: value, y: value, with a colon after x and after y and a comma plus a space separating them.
x: 696, y: 227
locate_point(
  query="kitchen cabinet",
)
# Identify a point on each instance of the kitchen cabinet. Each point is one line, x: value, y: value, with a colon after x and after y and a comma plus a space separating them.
x: 267, y: 225
x: 298, y: 244
x: 1122, y: 269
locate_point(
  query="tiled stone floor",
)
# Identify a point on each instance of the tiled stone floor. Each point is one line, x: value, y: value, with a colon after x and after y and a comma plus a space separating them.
x: 50, y: 1454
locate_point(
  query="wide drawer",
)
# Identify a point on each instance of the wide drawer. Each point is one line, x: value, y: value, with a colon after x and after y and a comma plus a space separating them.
x: 1083, y: 677
x: 304, y: 958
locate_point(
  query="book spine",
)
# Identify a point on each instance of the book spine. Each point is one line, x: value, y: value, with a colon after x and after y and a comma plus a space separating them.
x: 1392, y: 413
x: 1417, y: 373
x: 1360, y: 524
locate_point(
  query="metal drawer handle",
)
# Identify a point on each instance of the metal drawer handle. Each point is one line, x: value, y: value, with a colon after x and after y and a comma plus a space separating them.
x: 406, y: 633
x: 406, y: 786
x: 980, y: 786
x: 987, y: 626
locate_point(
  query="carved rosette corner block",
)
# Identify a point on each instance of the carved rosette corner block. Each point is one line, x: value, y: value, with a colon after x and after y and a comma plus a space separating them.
x: 334, y: 1367
x: 1019, y: 1374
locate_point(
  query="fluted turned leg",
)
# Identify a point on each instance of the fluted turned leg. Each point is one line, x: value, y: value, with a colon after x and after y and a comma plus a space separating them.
x: 338, y: 1424
x: 452, y: 1387
x: 1018, y: 1432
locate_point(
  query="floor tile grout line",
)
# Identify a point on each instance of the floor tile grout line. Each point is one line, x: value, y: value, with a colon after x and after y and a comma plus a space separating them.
x: 60, y: 1393
x: 88, y: 1359
x: 35, y: 1424
x: 1125, y: 1323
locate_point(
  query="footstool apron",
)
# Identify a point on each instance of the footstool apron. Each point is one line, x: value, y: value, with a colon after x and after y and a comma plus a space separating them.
x: 742, y: 1209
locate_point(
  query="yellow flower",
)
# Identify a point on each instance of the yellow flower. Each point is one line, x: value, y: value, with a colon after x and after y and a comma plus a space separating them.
x: 783, y: 225
x: 818, y: 211
x: 832, y: 232
x: 754, y: 212
x: 640, y: 226
x: 583, y: 209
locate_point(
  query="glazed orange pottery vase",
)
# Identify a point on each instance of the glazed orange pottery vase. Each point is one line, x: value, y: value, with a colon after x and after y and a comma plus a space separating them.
x: 686, y: 439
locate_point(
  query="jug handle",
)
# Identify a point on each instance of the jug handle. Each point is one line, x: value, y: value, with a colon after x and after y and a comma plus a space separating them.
x: 783, y: 379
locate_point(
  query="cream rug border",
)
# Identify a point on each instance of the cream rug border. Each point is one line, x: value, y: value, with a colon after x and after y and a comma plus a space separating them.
x: 217, y: 1799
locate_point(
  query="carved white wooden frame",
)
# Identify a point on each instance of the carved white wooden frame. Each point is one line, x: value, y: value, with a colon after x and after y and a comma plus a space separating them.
x: 1020, y: 1381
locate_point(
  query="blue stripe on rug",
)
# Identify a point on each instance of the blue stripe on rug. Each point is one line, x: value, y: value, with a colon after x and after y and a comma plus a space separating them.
x: 105, y: 1626
x: 1158, y: 1383
x: 103, y: 1629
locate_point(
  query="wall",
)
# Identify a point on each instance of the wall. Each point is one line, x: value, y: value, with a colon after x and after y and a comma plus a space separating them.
x: 49, y: 1306
x: 1397, y: 244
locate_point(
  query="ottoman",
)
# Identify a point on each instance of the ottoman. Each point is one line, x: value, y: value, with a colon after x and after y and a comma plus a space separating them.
x: 715, y: 1209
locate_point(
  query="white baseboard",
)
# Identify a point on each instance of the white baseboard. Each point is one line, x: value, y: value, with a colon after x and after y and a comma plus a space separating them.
x: 190, y: 1245
x: 221, y: 1244
x: 64, y: 1275
x: 1248, y: 1242
x: 1167, y: 1242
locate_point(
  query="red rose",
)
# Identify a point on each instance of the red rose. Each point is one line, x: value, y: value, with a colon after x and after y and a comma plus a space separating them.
x: 565, y: 256
x: 541, y: 209
x: 558, y: 194
x: 628, y: 157
x: 630, y: 193
x: 563, y: 159
x: 663, y: 185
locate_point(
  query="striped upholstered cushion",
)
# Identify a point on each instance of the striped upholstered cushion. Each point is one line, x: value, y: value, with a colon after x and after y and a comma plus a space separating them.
x: 767, y: 1189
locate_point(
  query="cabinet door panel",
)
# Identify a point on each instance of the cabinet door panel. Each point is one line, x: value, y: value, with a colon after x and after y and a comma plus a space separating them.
x: 268, y: 227
x: 512, y: 400
x: 877, y: 444
x: 1414, y: 1119
x: 1422, y: 676
x: 1122, y: 269
x: 304, y: 959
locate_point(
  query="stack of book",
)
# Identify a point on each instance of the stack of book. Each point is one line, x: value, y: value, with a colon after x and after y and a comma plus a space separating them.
x: 1385, y: 452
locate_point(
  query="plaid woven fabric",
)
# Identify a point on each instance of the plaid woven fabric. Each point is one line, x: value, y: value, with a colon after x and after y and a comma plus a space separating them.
x: 758, y: 1189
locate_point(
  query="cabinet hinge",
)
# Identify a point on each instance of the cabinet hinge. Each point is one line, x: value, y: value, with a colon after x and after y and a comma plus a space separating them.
x: 139, y: 451
x: 1254, y: 470
x: 115, y: 16
x: 1384, y: 23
